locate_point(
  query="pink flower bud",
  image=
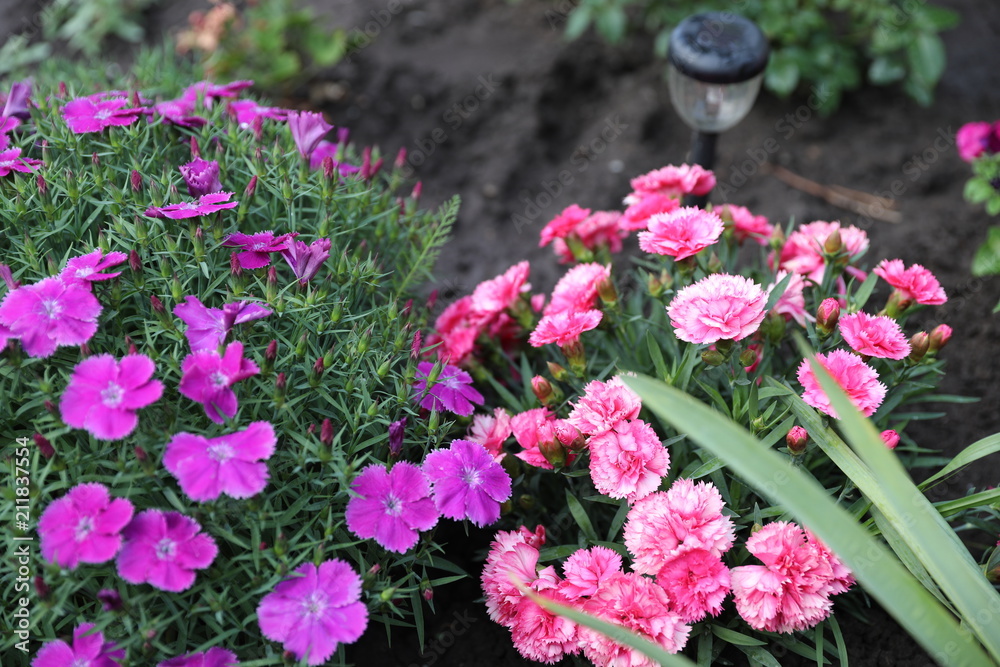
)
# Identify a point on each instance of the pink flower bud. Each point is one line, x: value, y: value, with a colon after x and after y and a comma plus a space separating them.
x: 41, y: 588
x: 396, y: 431
x: 834, y: 243
x: 195, y: 149
x: 554, y: 452
x: 95, y: 160
x: 326, y: 432
x: 417, y: 345
x: 271, y: 353
x: 569, y: 436
x: 542, y: 389
x: 280, y: 382
x: 8, y: 277
x: 251, y: 187
x: 50, y: 407
x: 890, y: 438
x: 311, y: 429
x: 329, y: 169
x: 84, y: 350
x: 140, y: 454
x: 366, y: 163
x: 432, y: 300
x: 136, y: 181
x: 134, y: 261
x: 318, y: 367
x: 428, y: 593
x: 43, y: 186
x: 44, y: 446
x: 827, y: 316
x: 376, y: 168
x: 407, y: 308
x: 940, y: 336
x: 234, y: 265
x: 919, y: 344
x: 62, y: 90
x: 417, y: 190
x: 400, y: 158
x: 796, y: 440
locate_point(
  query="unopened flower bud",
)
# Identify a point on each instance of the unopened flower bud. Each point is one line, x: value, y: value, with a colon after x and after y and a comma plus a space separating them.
x: 251, y: 188
x: 526, y: 502
x: 575, y: 355
x: 554, y: 452
x: 110, y: 599
x: 50, y: 407
x: 569, y: 436
x: 134, y: 261
x: 140, y: 454
x: 44, y: 446
x: 271, y: 353
x: 43, y: 186
x: 326, y: 432
x: 84, y: 350
x: 558, y: 372
x: 431, y: 300
x: 543, y: 389
x: 890, y: 438
x: 157, y: 304
x: 796, y: 440
x: 195, y: 149
x: 606, y: 290
x: 8, y: 277
x: 417, y: 191
x: 748, y: 358
x: 827, y: 316
x: 136, y: 181
x: 234, y: 265
x: 713, y: 357
x: 400, y: 158
x: 428, y: 593
x: 396, y: 431
x: 834, y: 243
x: 939, y: 337
x: 280, y: 383
x: 920, y: 342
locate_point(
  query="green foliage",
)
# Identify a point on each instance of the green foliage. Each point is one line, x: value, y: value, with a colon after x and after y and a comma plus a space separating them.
x: 832, y: 45
x: 352, y: 320
x: 984, y: 188
x: 86, y: 25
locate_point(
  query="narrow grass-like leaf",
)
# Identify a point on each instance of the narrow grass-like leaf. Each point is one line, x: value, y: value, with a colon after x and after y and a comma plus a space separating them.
x: 581, y: 517
x: 974, y: 452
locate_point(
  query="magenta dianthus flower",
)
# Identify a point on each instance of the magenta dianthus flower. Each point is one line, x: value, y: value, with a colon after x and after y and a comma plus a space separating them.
x: 15, y: 103
x: 201, y: 176
x: 179, y: 112
x: 232, y: 464
x: 86, y: 269
x: 673, y: 181
x: 697, y: 582
x: 88, y: 650
x: 306, y: 260
x: 209, y: 91
x: 257, y: 248
x: 314, y: 611
x: 103, y: 394
x: 11, y: 160
x: 391, y: 507
x: 50, y: 314
x: 7, y: 124
x: 164, y: 549
x: 92, y: 114
x: 207, y: 327
x: 452, y: 391
x: 563, y: 224
x: 247, y: 111
x: 308, y: 129
x: 208, y: 378
x: 210, y: 203
x: 84, y: 526
x: 213, y: 657
x: 467, y: 482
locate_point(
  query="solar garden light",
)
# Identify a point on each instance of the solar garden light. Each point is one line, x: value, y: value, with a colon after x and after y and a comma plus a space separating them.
x: 717, y: 61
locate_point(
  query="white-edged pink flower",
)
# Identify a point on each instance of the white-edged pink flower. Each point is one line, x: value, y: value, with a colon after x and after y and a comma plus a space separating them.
x: 717, y: 307
x: 603, y: 406
x: 628, y: 461
x: 874, y: 335
x: 681, y: 233
x: 915, y: 283
x: 855, y: 377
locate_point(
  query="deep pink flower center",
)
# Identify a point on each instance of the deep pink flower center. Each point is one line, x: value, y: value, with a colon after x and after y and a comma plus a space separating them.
x: 166, y: 549
x: 393, y: 505
x: 471, y: 476
x: 83, y: 528
x: 220, y: 452
x: 314, y: 604
x: 219, y: 380
x: 112, y: 395
x: 52, y: 308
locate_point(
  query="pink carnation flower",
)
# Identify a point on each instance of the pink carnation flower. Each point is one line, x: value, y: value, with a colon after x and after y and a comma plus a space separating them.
x: 232, y: 464
x: 88, y: 650
x: 213, y: 657
x: 640, y: 605
x: 84, y: 526
x: 603, y: 406
x: 697, y: 583
x: 681, y: 233
x: 564, y: 327
x: 91, y: 114
x: 11, y: 161
x: 210, y: 203
x: 164, y: 549
x: 208, y: 379
x: 600, y: 228
x: 306, y: 260
x: 854, y: 376
x: 207, y: 327
x: 314, y: 611
x: 803, y: 251
x: 686, y: 516
x: 874, y: 336
x: 563, y: 224
x: 512, y: 560
x: 577, y: 290
x: 456, y: 330
x: 491, y: 431
x: 391, y: 507
x: 746, y: 225
x: 467, y: 483
x: 85, y: 269
x: 537, y: 633
x: 492, y: 297
x: 587, y: 570
x: 178, y: 112
x: 915, y: 283
x: 103, y: 394
x: 628, y: 461
x: 673, y: 181
x: 532, y: 429
x: 717, y: 307
x: 792, y: 590
x: 257, y: 248
x: 49, y: 314
x: 452, y: 391
x: 792, y: 302
x: 641, y: 207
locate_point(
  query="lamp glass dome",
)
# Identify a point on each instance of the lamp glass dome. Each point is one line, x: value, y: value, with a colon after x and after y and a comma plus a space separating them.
x: 711, y: 107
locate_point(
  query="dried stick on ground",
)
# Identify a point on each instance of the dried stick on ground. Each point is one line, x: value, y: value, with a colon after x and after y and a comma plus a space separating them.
x: 861, y: 203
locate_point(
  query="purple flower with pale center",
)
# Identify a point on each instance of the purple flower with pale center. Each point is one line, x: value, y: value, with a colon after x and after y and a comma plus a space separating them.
x: 201, y: 176
x: 308, y: 129
x: 391, y: 507
x: 16, y: 102
x: 84, y: 526
x: 247, y: 111
x: 207, y: 327
x: 50, y: 314
x: 306, y: 260
x: 7, y: 124
x: 86, y: 269
x: 164, y: 549
x: 204, y: 205
x: 257, y: 248
x: 210, y: 91
x: 232, y: 464
x: 213, y: 657
x: 179, y: 112
x: 467, y: 482
x: 11, y: 160
x: 93, y: 114
x: 312, y: 612
x: 208, y: 378
x: 103, y: 394
x: 451, y: 391
x: 88, y: 650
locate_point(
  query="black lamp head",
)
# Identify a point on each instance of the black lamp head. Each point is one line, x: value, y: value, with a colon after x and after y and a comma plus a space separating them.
x: 718, y: 47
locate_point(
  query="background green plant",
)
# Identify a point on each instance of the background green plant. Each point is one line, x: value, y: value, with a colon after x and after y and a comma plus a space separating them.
x: 353, y: 319
x: 835, y: 45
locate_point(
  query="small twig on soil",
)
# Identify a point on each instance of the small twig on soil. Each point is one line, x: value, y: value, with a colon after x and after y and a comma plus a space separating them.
x: 861, y: 203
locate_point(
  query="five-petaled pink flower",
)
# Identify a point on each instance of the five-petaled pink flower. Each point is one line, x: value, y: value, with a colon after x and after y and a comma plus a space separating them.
x: 915, y: 283
x: 86, y: 269
x: 628, y: 461
x: 103, y: 394
x: 452, y: 391
x: 681, y: 233
x: 717, y: 307
x: 855, y: 377
x: 306, y: 260
x: 564, y: 327
x: 208, y: 378
x: 467, y: 483
x: 207, y: 327
x: 314, y: 611
x: 247, y: 111
x: 391, y: 507
x: 257, y: 248
x: 93, y: 114
x: 308, y: 129
x: 232, y: 464
x: 210, y: 203
x: 11, y: 160
x: 88, y: 650
x: 84, y: 526
x: 50, y: 314
x: 164, y: 549
x: 213, y: 657
x: 874, y: 336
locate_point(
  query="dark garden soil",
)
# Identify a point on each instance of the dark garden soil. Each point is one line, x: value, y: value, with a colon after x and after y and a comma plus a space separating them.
x: 492, y: 104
